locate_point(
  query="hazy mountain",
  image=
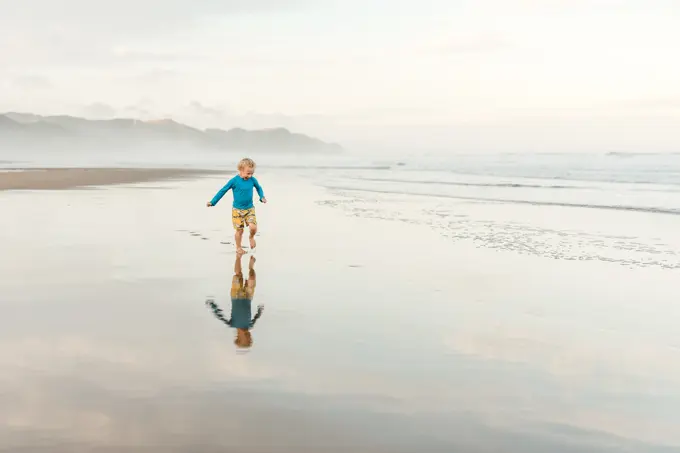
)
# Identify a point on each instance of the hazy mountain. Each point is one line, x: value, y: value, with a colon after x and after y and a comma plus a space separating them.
x: 7, y: 124
x: 26, y: 129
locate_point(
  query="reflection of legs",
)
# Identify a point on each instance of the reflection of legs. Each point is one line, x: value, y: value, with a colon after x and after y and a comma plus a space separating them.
x: 237, y: 281
x: 237, y: 266
x: 252, y: 278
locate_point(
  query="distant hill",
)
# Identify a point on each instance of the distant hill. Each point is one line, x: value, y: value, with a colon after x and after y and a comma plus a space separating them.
x: 8, y: 124
x: 27, y: 129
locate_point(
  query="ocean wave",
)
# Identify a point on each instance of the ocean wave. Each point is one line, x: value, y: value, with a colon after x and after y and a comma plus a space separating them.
x: 476, y: 184
x: 329, y: 167
x: 644, y: 209
x: 642, y: 177
x: 631, y: 154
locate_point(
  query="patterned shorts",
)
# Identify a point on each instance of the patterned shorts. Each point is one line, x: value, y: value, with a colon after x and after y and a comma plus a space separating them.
x: 242, y: 217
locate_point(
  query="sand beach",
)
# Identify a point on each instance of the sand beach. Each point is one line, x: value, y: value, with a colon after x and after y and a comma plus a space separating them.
x: 379, y: 334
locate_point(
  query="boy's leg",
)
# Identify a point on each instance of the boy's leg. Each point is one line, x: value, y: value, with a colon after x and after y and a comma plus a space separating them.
x: 253, y: 230
x: 251, y: 221
x: 238, y: 221
x: 238, y: 238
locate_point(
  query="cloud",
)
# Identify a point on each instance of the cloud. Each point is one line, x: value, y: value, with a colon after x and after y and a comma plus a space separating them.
x: 45, y: 32
x: 143, y: 109
x: 134, y: 15
x: 156, y: 76
x: 467, y: 61
x: 32, y: 82
x: 149, y: 56
x: 200, y: 109
x: 474, y: 44
x: 661, y: 103
x: 98, y: 111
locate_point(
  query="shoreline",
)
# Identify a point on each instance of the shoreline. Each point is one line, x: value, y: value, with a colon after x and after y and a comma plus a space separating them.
x: 71, y: 178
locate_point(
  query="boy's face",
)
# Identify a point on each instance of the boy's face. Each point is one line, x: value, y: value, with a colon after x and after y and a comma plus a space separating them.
x: 246, y: 172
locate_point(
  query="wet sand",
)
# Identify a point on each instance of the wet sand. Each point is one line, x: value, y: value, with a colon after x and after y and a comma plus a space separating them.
x: 366, y: 344
x: 69, y: 178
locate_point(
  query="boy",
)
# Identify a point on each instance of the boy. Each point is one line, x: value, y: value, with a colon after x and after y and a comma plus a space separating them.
x: 243, y: 211
x: 241, y: 298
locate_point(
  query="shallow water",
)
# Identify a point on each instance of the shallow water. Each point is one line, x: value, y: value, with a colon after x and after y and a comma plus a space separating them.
x: 605, y: 207
x: 380, y: 331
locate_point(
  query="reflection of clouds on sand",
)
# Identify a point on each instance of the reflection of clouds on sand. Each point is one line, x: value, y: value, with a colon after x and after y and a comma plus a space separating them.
x: 112, y: 366
x: 79, y: 391
x: 81, y: 382
x: 79, y: 412
x: 68, y: 382
x: 600, y: 383
x: 142, y: 400
x: 616, y: 357
x: 107, y: 363
x: 52, y: 353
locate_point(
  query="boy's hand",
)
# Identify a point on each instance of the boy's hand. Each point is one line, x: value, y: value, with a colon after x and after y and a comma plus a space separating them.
x: 209, y: 204
x: 263, y: 200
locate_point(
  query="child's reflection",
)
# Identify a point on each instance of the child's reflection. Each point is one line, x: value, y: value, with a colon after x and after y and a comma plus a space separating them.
x: 241, y: 298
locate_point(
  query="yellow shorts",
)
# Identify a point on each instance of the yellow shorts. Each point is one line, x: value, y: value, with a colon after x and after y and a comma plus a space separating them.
x: 242, y: 217
x: 241, y: 291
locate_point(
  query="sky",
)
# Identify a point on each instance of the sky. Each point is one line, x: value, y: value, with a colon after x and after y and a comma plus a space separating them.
x: 453, y: 75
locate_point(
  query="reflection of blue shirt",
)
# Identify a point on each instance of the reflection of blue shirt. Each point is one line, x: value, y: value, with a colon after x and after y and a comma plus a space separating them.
x: 240, y: 313
x: 243, y: 192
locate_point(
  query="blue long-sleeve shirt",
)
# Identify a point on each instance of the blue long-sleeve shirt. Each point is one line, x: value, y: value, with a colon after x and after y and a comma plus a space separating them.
x: 243, y: 192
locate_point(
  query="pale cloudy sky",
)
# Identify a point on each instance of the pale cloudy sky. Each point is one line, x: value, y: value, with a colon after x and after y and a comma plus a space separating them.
x: 549, y: 75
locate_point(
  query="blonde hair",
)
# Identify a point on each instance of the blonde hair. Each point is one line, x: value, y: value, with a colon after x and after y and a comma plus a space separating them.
x: 246, y: 162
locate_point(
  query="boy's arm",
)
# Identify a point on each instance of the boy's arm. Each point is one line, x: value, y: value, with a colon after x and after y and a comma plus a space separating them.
x: 260, y: 309
x: 218, y: 196
x: 258, y: 187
